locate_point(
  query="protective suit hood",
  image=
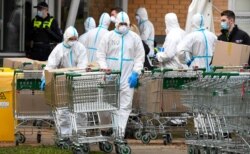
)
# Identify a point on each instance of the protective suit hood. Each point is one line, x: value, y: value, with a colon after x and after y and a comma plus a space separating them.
x: 121, y: 18
x: 142, y: 13
x: 197, y: 22
x: 69, y: 32
x: 89, y: 24
x: 104, y: 20
x: 171, y: 21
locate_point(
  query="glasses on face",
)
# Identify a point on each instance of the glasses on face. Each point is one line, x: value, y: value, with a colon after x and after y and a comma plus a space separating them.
x: 123, y: 23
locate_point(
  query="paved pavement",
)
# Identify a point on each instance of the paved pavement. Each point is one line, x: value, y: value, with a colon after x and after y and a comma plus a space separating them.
x: 155, y: 146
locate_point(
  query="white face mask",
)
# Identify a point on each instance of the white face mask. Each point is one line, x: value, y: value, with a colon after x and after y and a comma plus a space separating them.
x: 40, y: 14
x: 123, y: 29
x: 137, y: 19
x: 113, y: 19
x: 71, y: 43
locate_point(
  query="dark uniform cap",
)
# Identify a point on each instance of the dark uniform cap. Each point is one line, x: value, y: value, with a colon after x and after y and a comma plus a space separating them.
x: 41, y: 5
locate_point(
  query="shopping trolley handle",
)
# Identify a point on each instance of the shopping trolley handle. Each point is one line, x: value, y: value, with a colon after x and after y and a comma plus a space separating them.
x: 214, y: 68
x: 220, y: 74
x: 161, y: 70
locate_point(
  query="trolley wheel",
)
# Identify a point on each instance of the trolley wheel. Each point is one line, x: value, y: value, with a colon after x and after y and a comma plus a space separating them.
x: 101, y: 146
x: 153, y: 135
x: 145, y: 138
x: 190, y: 150
x: 137, y: 135
x: 78, y: 151
x: 125, y: 149
x: 39, y: 137
x: 188, y: 135
x: 117, y: 148
x: 85, y: 148
x: 167, y: 139
x: 65, y: 146
x: 20, y: 138
x: 107, y: 147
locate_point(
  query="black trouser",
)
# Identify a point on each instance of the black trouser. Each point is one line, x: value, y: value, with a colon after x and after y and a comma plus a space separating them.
x: 40, y: 51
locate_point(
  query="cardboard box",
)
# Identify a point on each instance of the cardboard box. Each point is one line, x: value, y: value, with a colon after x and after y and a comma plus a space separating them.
x: 8, y: 62
x: 148, y: 96
x: 23, y: 63
x: 18, y: 63
x: 39, y: 65
x: 171, y: 101
x: 31, y: 103
x: 230, y: 54
x: 49, y: 74
x: 151, y: 97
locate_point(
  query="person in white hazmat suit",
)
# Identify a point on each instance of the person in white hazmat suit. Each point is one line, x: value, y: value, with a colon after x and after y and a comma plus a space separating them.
x: 88, y: 25
x: 122, y: 49
x: 69, y: 53
x: 174, y: 35
x: 147, y: 31
x: 196, y: 48
x: 95, y: 35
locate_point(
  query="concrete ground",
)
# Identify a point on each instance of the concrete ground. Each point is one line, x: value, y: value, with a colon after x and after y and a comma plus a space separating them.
x: 155, y: 146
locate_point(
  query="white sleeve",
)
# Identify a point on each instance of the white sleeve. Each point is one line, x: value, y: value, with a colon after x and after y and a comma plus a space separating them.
x: 82, y: 59
x: 184, y: 49
x: 145, y: 33
x: 101, y: 53
x: 83, y: 39
x: 170, y: 46
x: 54, y: 58
x: 139, y: 55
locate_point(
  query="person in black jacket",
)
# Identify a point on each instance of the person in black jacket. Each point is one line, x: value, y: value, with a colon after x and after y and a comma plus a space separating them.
x: 230, y: 31
x: 45, y: 33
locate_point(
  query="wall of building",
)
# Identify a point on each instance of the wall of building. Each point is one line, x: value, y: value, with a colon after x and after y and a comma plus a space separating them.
x: 157, y: 10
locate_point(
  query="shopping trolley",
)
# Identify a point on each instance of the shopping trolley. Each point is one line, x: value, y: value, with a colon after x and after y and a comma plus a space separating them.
x: 56, y: 93
x: 159, y: 105
x: 30, y: 108
x: 92, y: 93
x: 219, y: 102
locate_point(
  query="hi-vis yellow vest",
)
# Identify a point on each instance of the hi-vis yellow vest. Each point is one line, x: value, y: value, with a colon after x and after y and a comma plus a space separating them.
x: 46, y: 24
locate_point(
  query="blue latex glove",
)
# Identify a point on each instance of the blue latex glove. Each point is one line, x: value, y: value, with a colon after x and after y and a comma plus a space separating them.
x: 133, y: 80
x: 190, y: 61
x: 42, y: 85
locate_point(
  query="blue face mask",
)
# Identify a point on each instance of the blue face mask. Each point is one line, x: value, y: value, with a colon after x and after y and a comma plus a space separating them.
x: 40, y: 14
x: 224, y: 25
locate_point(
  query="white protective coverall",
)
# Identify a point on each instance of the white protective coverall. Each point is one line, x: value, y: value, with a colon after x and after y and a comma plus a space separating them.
x: 65, y: 56
x: 88, y: 25
x: 95, y: 35
x: 122, y: 52
x: 174, y: 35
x: 198, y: 46
x: 146, y: 28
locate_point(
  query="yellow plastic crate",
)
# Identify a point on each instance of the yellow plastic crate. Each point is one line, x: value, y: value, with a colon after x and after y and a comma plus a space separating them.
x: 6, y: 69
x: 6, y: 107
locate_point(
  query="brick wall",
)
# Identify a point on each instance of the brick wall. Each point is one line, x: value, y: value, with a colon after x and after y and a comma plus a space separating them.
x: 156, y: 11
x: 97, y: 7
x: 158, y: 8
x: 219, y: 6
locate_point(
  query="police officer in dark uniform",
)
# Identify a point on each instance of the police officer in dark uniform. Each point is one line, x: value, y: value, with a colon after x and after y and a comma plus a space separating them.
x: 230, y: 32
x: 45, y: 33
